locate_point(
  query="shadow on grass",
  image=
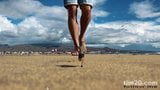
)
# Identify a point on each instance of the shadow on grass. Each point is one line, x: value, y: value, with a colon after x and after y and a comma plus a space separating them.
x: 67, y: 66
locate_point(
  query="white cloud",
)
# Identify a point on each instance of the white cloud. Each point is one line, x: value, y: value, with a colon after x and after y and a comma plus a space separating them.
x: 99, y: 13
x: 19, y: 8
x: 98, y: 2
x: 144, y: 9
x: 31, y: 27
x: 5, y: 24
x: 33, y: 30
x: 52, y: 13
x: 97, y: 10
x: 7, y: 30
x: 46, y: 24
x: 120, y: 33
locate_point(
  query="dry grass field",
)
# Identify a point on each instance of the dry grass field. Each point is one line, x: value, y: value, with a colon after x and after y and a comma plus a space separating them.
x: 63, y: 72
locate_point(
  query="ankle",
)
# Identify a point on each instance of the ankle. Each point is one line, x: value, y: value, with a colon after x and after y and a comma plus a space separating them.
x: 81, y: 39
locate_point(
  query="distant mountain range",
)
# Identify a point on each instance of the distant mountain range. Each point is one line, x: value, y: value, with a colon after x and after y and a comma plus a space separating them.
x: 61, y: 48
x: 46, y: 47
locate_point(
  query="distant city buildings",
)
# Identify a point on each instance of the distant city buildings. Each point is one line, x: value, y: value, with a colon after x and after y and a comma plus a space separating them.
x: 61, y: 51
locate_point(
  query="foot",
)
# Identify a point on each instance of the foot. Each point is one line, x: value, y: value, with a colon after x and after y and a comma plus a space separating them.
x: 81, y: 54
x: 83, y: 46
x: 76, y: 51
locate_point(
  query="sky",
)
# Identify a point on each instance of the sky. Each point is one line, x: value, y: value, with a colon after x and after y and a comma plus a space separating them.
x: 125, y: 24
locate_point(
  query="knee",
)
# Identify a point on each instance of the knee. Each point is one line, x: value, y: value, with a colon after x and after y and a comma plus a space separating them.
x: 72, y: 12
x: 86, y: 10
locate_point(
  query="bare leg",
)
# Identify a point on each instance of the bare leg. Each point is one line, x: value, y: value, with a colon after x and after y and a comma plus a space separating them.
x: 85, y: 19
x: 73, y: 26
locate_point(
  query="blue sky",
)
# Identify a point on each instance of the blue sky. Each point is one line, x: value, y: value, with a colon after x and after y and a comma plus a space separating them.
x: 127, y: 24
